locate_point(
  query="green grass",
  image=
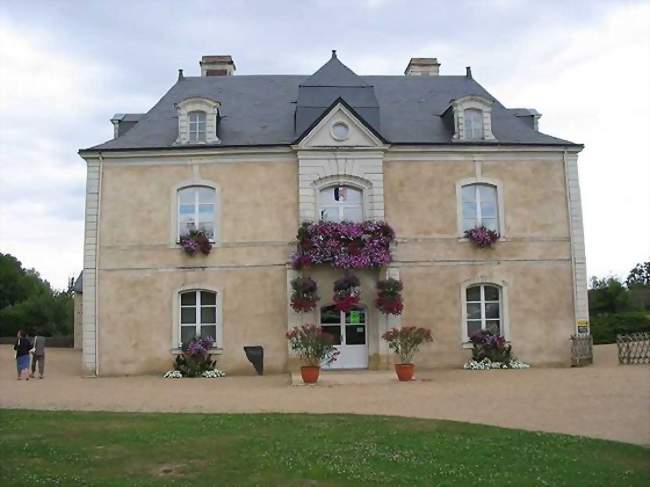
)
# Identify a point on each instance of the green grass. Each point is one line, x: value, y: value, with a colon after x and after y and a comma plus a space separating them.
x: 122, y: 449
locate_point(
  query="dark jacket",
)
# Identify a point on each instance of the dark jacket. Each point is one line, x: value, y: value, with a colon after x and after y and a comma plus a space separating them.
x: 22, y: 346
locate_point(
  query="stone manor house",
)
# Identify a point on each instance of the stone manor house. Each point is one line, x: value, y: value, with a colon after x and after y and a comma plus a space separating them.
x: 247, y: 159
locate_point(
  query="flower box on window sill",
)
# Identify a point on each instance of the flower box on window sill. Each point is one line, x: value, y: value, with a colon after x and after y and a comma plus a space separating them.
x: 213, y: 351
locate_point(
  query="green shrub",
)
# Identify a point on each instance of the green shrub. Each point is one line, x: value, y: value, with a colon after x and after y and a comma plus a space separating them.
x: 605, y: 327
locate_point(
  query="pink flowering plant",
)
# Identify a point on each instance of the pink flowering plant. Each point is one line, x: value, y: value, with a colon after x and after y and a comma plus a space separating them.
x: 196, y: 241
x: 487, y: 345
x: 389, y: 296
x: 304, y: 295
x: 406, y: 341
x: 346, y: 292
x: 482, y: 237
x: 196, y: 358
x: 344, y: 245
x: 313, y: 346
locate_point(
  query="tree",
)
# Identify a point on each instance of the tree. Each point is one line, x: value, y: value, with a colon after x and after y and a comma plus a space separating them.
x: 608, y: 295
x: 639, y: 276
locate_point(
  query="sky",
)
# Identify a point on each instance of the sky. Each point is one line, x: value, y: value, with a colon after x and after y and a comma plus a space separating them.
x: 67, y: 69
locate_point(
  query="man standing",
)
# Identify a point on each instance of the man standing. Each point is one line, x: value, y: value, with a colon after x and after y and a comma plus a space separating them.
x: 38, y: 355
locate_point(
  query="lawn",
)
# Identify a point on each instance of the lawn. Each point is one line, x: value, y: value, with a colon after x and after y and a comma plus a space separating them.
x: 123, y: 449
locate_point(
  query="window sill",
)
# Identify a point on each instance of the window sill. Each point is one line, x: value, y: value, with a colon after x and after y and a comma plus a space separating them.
x: 213, y: 351
x: 501, y: 239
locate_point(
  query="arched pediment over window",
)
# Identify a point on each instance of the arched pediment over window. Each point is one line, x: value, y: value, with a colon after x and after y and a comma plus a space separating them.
x: 197, y: 121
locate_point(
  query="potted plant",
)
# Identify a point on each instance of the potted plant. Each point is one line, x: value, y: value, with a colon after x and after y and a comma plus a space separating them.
x: 346, y: 292
x: 482, y: 237
x: 405, y: 341
x: 389, y: 296
x: 314, y: 347
x: 196, y: 241
x: 304, y: 295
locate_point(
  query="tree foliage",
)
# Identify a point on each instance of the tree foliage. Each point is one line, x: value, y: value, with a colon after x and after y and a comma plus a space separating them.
x: 28, y: 302
x: 639, y: 276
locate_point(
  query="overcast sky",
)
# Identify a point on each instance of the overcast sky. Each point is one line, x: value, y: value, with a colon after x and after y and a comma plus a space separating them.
x: 67, y: 67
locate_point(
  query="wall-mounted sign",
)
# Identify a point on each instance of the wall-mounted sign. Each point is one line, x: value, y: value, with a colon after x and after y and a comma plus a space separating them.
x: 355, y: 316
x: 583, y: 327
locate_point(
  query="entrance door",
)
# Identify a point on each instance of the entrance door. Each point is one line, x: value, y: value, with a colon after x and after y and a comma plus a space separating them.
x: 350, y: 332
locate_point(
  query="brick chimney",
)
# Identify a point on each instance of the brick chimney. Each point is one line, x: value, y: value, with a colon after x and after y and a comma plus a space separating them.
x: 217, y: 66
x: 423, y: 66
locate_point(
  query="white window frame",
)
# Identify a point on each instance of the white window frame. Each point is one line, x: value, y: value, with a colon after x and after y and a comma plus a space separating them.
x: 484, y: 105
x: 197, y: 120
x: 197, y: 104
x: 176, y: 314
x: 174, y: 237
x: 500, y: 204
x: 354, y: 182
x: 341, y: 207
x: 474, y: 129
x: 504, y: 315
x: 477, y: 200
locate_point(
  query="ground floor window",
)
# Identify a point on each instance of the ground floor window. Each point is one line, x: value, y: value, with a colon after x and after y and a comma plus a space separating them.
x: 483, y: 303
x: 198, y: 316
x: 347, y: 328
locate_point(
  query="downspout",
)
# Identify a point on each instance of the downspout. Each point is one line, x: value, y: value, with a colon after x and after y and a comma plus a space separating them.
x: 99, y: 213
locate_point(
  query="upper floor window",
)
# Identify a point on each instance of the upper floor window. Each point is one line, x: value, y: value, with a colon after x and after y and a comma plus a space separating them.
x: 483, y: 303
x: 198, y: 316
x: 197, y: 210
x: 480, y: 206
x: 197, y: 121
x: 341, y: 203
x: 473, y: 124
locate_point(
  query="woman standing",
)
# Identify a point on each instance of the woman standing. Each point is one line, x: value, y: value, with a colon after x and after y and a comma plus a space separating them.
x: 22, y: 348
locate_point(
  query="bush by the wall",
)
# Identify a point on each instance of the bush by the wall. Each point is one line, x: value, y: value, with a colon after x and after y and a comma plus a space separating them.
x: 605, y: 327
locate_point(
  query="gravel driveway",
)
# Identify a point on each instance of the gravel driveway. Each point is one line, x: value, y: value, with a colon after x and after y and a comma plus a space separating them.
x: 602, y: 401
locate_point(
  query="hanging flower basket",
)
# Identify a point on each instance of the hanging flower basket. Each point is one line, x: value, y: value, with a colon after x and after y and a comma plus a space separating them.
x: 196, y: 241
x: 482, y: 237
x: 346, y: 292
x: 389, y: 297
x: 343, y: 245
x: 304, y: 295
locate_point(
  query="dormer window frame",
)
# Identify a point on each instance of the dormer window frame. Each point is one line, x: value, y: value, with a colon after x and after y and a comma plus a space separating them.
x: 472, y: 103
x: 197, y: 104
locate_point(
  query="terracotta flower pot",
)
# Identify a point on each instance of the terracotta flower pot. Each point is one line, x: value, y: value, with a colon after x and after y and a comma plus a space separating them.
x: 404, y: 371
x: 310, y: 373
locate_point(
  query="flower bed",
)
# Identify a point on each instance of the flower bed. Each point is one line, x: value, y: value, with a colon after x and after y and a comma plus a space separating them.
x: 487, y: 364
x: 343, y: 245
x: 195, y: 360
x: 482, y: 237
x: 208, y: 374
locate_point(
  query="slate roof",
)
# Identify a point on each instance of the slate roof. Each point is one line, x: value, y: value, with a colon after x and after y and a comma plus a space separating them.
x: 275, y: 109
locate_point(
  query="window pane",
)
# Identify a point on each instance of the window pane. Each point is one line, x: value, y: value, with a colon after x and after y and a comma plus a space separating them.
x: 473, y: 311
x: 327, y: 195
x: 473, y: 326
x: 356, y: 315
x: 329, y: 314
x: 469, y: 194
x: 208, y: 229
x: 329, y: 214
x: 208, y: 298
x: 335, y: 331
x: 469, y: 210
x: 491, y: 293
x: 206, y: 195
x: 186, y: 210
x: 206, y: 211
x: 187, y: 333
x: 188, y: 315
x: 352, y: 214
x: 493, y: 326
x: 188, y: 298
x: 350, y: 195
x: 473, y: 293
x: 492, y: 310
x: 355, y: 335
x: 490, y: 224
x: 186, y: 196
x: 487, y: 193
x: 209, y: 331
x: 469, y: 224
x: 208, y: 315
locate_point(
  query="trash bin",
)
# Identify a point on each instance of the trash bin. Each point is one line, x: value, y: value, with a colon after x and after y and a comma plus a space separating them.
x: 255, y: 355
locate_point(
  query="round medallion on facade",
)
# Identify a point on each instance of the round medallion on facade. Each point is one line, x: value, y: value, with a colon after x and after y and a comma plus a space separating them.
x: 340, y: 131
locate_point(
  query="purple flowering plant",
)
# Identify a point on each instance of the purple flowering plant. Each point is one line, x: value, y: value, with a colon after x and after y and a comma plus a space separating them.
x: 486, y: 344
x: 343, y: 245
x: 482, y: 237
x: 196, y: 241
x: 195, y: 358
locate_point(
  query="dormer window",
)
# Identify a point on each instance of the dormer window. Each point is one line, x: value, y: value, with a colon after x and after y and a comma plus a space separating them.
x: 472, y: 119
x: 473, y: 124
x: 197, y: 121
